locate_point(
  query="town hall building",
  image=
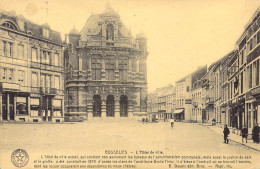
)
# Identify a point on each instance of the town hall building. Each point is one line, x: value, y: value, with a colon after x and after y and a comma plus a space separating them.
x: 105, y: 69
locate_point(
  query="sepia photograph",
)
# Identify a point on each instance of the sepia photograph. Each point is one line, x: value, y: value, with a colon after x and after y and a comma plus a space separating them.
x: 123, y: 84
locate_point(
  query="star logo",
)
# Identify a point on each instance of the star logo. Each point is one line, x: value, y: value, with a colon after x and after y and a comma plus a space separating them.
x: 19, y: 158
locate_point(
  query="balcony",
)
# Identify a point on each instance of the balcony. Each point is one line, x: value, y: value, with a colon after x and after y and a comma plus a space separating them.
x: 5, y: 86
x: 209, y: 101
x: 35, y: 89
x: 48, y: 91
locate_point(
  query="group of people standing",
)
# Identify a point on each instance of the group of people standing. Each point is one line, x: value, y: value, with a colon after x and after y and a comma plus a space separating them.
x: 244, y: 133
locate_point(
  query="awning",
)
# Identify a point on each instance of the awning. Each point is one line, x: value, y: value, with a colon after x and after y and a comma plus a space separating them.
x: 178, y: 111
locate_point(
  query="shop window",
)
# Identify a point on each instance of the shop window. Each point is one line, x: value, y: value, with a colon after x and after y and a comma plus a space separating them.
x: 35, y: 106
x: 56, y: 108
x: 21, y: 106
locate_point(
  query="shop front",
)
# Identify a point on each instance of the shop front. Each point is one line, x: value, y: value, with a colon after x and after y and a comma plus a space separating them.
x: 178, y: 115
x: 252, y: 107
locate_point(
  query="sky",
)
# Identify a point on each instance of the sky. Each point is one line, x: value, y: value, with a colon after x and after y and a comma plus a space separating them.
x: 182, y: 34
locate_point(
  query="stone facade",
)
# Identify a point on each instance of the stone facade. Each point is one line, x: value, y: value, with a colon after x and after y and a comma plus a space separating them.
x: 106, y: 74
x: 31, y: 71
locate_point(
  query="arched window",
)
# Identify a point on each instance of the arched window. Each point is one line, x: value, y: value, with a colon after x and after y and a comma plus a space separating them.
x: 9, y: 25
x: 110, y: 106
x: 110, y: 32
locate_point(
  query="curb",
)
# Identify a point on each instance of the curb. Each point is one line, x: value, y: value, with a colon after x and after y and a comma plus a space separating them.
x: 233, y: 140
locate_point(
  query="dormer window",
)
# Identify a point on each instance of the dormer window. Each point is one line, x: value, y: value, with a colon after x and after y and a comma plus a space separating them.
x: 9, y: 25
x: 45, y: 32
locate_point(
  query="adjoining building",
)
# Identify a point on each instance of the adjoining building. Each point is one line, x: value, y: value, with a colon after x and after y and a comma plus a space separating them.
x: 248, y: 81
x: 31, y: 71
x: 183, y: 110
x: 197, y: 93
x: 106, y: 74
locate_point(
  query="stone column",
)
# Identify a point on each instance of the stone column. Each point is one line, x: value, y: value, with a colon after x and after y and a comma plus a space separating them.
x: 89, y: 107
x: 103, y: 108
x: 137, y: 65
x: 41, y: 106
x: 116, y: 70
x: 62, y: 109
x: 51, y: 113
x: 8, y: 107
x: 1, y: 106
x: 117, y: 107
x: 103, y: 70
x: 46, y: 109
x: 89, y: 75
x: 29, y: 106
x: 15, y: 100
x: 130, y: 109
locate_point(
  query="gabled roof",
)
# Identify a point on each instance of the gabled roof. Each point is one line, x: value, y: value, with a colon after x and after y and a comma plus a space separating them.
x: 93, y: 25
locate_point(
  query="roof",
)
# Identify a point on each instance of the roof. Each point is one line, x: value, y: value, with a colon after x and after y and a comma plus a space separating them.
x: 93, y: 26
x: 74, y: 31
x: 26, y: 26
x: 165, y: 91
x: 201, y: 70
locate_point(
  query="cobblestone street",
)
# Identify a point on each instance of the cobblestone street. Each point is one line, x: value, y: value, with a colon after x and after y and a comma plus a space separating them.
x: 95, y: 138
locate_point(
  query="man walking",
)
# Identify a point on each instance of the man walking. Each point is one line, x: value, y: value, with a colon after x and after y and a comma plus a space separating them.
x: 172, y: 123
x: 244, y: 132
x: 226, y: 133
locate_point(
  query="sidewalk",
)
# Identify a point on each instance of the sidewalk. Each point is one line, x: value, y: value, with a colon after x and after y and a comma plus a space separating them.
x: 235, y: 138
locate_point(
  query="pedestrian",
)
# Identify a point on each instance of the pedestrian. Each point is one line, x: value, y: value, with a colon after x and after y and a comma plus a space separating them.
x: 226, y: 133
x: 255, y: 133
x: 143, y: 120
x: 244, y: 132
x: 172, y: 123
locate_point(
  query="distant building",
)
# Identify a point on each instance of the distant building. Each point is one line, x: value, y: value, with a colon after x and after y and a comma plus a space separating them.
x: 162, y: 103
x: 184, y: 105
x: 106, y: 73
x: 31, y: 71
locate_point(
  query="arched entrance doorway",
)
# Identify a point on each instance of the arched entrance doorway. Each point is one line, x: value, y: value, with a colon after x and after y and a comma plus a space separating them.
x: 110, y: 106
x: 123, y: 106
x: 96, y: 106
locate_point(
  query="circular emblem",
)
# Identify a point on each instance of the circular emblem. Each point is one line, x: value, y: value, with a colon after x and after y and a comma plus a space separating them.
x: 19, y: 158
